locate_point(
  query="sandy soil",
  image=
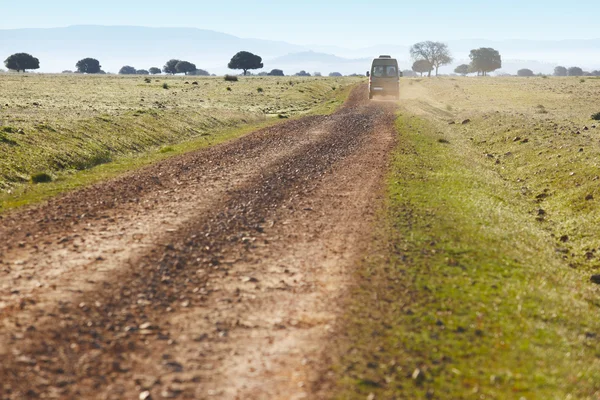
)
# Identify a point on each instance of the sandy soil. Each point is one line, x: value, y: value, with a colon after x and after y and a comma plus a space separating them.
x: 217, y: 274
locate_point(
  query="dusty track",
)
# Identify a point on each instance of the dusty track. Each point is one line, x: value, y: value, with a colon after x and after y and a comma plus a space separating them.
x: 215, y: 274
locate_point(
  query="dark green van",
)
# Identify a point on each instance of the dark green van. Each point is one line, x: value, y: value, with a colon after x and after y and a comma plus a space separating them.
x: 384, y: 77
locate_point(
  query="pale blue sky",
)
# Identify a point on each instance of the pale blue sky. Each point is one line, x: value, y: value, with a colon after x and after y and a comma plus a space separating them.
x: 327, y: 22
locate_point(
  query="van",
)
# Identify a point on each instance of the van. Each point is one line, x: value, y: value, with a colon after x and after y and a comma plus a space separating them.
x: 384, y: 78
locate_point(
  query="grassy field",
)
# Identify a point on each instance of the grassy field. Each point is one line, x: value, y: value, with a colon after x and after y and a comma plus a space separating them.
x: 52, y: 126
x: 479, y: 287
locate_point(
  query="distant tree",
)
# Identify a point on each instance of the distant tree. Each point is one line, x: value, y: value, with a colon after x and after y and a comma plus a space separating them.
x: 276, y: 72
x: 422, y: 66
x: 575, y: 71
x: 302, y: 73
x: 525, y: 72
x: 184, y: 67
x: 199, y: 72
x: 317, y: 74
x: 127, y: 70
x: 169, y: 67
x: 88, y: 66
x: 21, y: 62
x: 485, y: 60
x: 595, y: 73
x: 408, y: 73
x: 67, y: 71
x: 263, y: 73
x: 245, y: 60
x: 335, y: 74
x: 462, y: 69
x: 154, y: 71
x: 560, y: 71
x: 436, y: 53
x: 142, y: 72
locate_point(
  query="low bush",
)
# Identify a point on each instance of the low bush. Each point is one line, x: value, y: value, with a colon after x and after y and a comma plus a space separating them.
x: 41, y: 177
x: 231, y: 78
x: 596, y: 117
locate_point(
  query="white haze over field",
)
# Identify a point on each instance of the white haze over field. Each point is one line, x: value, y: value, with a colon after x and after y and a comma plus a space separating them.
x: 115, y: 46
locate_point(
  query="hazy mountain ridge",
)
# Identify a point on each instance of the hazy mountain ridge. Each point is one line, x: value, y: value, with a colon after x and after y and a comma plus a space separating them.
x: 142, y: 47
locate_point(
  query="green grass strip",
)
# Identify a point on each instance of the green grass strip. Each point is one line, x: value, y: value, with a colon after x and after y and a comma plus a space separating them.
x: 466, y: 297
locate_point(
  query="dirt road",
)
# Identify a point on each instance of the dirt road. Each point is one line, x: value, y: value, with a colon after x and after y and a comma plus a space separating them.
x: 216, y: 274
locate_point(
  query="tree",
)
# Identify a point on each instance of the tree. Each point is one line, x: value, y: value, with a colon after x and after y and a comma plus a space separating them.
x: 575, y: 71
x: 408, y: 73
x: 169, y: 67
x: 184, y: 67
x: 560, y: 71
x: 154, y: 71
x: 21, y: 62
x: 127, y: 70
x: 199, y: 72
x: 525, y: 72
x: 462, y: 69
x: 302, y: 73
x: 422, y: 66
x: 436, y: 53
x: 335, y: 74
x: 142, y: 72
x: 88, y: 66
x: 317, y: 74
x: 485, y: 60
x: 276, y: 72
x: 245, y: 60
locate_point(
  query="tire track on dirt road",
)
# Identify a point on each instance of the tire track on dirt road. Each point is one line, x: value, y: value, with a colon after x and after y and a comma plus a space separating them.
x: 237, y: 243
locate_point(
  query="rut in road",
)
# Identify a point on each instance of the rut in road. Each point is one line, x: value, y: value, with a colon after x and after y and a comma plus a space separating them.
x: 137, y: 284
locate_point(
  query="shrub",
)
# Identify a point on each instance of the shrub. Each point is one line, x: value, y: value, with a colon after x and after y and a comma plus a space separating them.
x: 147, y: 80
x: 596, y: 117
x: 165, y: 85
x: 260, y: 90
x: 41, y: 177
x: 228, y: 89
x: 231, y: 78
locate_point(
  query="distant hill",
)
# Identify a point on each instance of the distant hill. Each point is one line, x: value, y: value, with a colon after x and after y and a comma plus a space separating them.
x: 311, y: 61
x: 60, y: 48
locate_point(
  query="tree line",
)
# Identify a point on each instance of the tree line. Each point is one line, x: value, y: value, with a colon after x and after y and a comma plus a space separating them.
x: 429, y: 56
x: 242, y: 60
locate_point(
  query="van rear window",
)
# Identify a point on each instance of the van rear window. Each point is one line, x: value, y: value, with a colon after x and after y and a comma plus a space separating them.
x: 378, y: 71
x: 384, y: 70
